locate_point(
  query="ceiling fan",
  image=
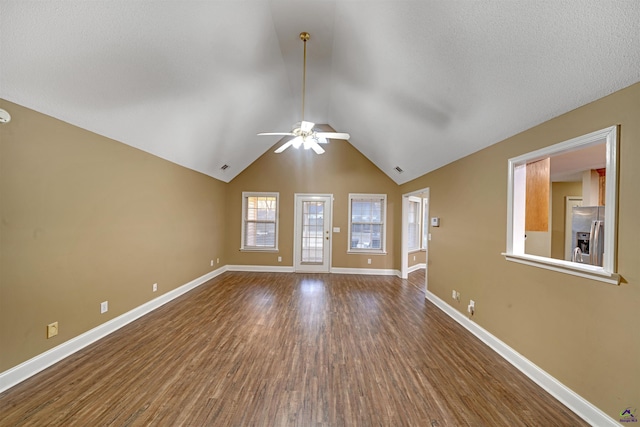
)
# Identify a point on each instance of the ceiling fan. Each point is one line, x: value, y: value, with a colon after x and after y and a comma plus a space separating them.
x: 303, y: 133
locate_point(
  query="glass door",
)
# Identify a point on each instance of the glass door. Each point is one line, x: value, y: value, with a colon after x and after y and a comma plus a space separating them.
x: 312, y: 233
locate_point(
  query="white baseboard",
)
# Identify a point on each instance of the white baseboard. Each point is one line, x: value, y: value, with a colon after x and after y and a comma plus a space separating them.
x: 261, y: 268
x: 335, y: 270
x: 581, y: 407
x: 44, y: 360
x: 569, y: 398
x: 416, y: 267
x: 369, y: 271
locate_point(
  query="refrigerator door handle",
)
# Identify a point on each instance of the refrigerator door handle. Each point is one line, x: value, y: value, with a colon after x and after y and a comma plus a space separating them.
x: 592, y: 246
x: 597, y: 244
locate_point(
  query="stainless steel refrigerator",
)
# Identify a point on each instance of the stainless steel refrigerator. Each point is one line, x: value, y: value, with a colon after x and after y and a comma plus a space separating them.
x: 587, y: 227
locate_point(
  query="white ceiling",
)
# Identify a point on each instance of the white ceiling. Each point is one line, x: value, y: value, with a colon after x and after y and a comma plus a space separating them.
x: 417, y: 84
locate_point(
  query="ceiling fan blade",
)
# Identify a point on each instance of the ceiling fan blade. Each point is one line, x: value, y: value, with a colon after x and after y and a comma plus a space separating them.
x: 306, y: 126
x: 315, y: 147
x: 333, y: 135
x: 284, y: 146
x: 276, y: 133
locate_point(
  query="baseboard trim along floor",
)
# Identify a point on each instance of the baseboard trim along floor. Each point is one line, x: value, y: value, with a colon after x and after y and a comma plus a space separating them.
x: 368, y: 271
x: 569, y: 398
x: 562, y: 393
x: 261, y: 268
x: 27, y: 369
x: 44, y: 360
x: 334, y: 270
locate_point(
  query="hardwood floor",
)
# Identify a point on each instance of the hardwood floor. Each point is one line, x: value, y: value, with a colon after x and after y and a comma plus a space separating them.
x: 271, y: 349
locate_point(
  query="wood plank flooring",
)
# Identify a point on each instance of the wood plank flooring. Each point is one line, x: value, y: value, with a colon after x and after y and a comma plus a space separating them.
x: 271, y: 349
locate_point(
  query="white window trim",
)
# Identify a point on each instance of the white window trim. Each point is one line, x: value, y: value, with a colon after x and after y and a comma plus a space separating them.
x: 383, y: 249
x: 245, y: 195
x: 419, y: 235
x: 515, y: 202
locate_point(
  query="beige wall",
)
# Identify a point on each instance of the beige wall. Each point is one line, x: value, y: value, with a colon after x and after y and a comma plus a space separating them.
x: 583, y: 332
x: 85, y: 219
x: 416, y: 257
x: 339, y: 171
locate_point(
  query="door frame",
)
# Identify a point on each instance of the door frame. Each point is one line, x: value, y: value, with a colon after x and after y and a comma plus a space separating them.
x: 297, y: 267
x: 404, y: 265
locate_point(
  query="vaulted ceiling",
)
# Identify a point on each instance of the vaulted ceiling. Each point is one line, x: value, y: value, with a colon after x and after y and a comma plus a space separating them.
x: 417, y: 84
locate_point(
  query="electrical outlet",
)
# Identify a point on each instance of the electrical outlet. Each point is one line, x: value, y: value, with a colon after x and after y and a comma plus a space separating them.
x: 217, y: 260
x: 52, y: 329
x: 211, y: 263
x: 154, y: 288
x: 471, y: 308
x: 369, y: 261
x: 104, y: 307
x: 455, y: 295
x: 414, y: 257
x: 279, y: 259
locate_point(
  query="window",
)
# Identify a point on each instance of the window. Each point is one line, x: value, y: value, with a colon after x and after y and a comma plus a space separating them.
x: 591, y: 162
x: 367, y: 215
x: 259, y: 221
x: 413, y: 223
x: 425, y: 222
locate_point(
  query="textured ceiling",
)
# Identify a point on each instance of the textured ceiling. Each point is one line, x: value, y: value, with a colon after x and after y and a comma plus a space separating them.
x: 417, y: 84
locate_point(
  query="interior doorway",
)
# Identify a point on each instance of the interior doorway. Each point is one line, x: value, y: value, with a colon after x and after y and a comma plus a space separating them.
x: 415, y: 232
x: 312, y: 234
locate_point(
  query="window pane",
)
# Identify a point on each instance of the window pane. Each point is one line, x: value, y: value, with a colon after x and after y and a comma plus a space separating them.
x: 425, y: 223
x: 412, y: 238
x: 266, y: 234
x: 260, y: 218
x: 413, y: 225
x: 367, y: 223
x: 376, y: 211
x: 252, y: 212
x: 260, y: 234
x: 250, y: 233
x: 312, y: 232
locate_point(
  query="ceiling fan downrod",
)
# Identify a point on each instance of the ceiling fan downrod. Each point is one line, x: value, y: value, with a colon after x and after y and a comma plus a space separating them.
x: 303, y: 132
x: 304, y: 36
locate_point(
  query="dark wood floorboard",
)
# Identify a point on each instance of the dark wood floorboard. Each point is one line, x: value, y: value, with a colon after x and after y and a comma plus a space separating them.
x: 271, y: 349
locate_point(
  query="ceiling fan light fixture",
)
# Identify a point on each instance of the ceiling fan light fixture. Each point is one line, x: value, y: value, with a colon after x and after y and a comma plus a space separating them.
x: 306, y: 126
x: 303, y: 130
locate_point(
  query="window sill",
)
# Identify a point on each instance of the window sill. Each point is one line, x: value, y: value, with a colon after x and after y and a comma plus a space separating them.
x: 259, y: 250
x: 581, y: 270
x: 364, y: 251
